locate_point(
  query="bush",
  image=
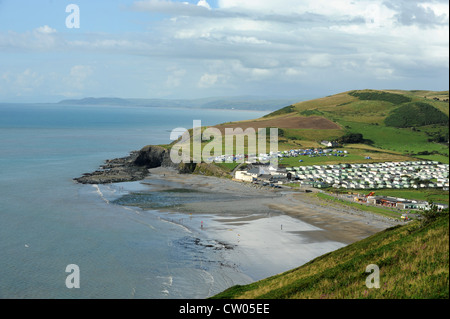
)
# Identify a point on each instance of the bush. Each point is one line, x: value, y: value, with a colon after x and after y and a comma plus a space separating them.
x: 284, y: 110
x: 431, y: 215
x: 415, y: 114
x: 396, y: 99
x: 280, y: 132
x: 353, y: 138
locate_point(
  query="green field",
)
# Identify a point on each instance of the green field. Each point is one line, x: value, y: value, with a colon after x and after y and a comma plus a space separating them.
x: 402, y: 140
x: 430, y: 195
x: 312, y: 135
x: 356, y: 154
x: 322, y: 160
x: 363, y: 112
x: 372, y: 209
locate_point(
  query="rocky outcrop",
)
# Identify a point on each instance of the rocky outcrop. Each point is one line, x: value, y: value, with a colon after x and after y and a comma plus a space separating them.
x: 153, y: 156
x: 115, y: 171
x: 135, y: 167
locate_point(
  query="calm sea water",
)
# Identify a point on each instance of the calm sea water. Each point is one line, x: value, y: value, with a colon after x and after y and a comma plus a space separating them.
x: 48, y: 222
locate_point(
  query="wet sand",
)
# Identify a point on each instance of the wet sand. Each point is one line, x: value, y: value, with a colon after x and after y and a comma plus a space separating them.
x: 265, y: 231
x: 242, y: 203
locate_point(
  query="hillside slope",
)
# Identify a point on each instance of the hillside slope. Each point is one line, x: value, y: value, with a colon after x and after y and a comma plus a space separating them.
x: 413, y: 260
x: 411, y: 124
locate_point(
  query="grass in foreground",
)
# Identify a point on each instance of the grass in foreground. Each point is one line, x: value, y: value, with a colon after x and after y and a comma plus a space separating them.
x: 413, y: 261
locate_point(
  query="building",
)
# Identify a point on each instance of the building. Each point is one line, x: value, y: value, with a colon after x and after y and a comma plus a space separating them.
x: 244, y: 176
x: 329, y: 144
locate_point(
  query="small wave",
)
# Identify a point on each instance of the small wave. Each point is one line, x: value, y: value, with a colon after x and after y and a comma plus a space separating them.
x: 177, y: 224
x: 167, y: 283
x: 131, y: 209
x: 111, y: 189
x: 99, y: 192
x: 209, y: 280
x: 165, y: 292
x: 168, y: 280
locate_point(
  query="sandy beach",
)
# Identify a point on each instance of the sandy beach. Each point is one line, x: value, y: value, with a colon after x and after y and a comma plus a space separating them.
x: 240, y: 203
x: 270, y: 230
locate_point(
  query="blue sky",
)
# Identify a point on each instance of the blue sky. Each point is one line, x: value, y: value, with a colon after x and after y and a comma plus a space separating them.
x: 203, y: 48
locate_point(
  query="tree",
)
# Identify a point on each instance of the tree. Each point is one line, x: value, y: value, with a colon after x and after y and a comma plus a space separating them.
x: 351, y: 138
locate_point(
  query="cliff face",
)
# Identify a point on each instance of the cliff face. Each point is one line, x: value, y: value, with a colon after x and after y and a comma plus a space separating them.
x: 154, y: 156
x: 131, y: 168
x: 135, y: 167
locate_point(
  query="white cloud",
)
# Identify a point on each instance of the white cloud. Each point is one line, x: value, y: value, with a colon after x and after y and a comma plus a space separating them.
x: 290, y: 7
x: 294, y: 72
x: 245, y: 40
x: 321, y: 60
x: 204, y: 4
x: 45, y: 30
x: 252, y: 44
x: 172, y: 7
x: 208, y: 80
x: 21, y: 83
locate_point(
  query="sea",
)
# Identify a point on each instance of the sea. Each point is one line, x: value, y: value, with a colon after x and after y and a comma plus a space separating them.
x: 49, y: 224
x: 64, y: 240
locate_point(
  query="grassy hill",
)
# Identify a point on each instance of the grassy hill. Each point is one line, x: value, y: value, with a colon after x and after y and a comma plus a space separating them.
x: 402, y: 125
x: 413, y: 260
x: 395, y: 125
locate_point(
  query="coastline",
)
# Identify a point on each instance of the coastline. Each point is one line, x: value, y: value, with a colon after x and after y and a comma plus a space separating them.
x: 261, y: 231
x: 242, y: 203
x: 258, y: 231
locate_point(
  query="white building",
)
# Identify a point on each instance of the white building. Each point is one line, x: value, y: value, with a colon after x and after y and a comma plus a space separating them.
x: 244, y: 176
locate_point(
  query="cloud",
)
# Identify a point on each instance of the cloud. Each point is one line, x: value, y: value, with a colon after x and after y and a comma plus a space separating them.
x: 45, y: 30
x: 41, y: 38
x: 22, y: 83
x: 425, y: 14
x: 321, y: 60
x: 172, y: 8
x: 235, y: 46
x: 208, y: 80
x: 204, y: 4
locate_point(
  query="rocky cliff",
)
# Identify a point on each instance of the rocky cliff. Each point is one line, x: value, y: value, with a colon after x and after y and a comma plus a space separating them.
x: 135, y: 167
x: 153, y: 156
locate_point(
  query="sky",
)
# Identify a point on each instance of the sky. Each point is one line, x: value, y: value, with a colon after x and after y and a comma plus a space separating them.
x: 206, y: 48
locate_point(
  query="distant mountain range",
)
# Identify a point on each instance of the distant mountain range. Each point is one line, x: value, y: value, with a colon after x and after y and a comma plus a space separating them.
x: 237, y: 103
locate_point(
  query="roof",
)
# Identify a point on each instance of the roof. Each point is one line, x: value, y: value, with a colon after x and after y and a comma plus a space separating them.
x: 265, y: 176
x: 254, y: 170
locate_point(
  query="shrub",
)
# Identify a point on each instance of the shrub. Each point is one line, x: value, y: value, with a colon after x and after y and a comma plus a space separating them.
x: 396, y: 99
x: 415, y: 114
x: 353, y: 138
x: 284, y: 110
